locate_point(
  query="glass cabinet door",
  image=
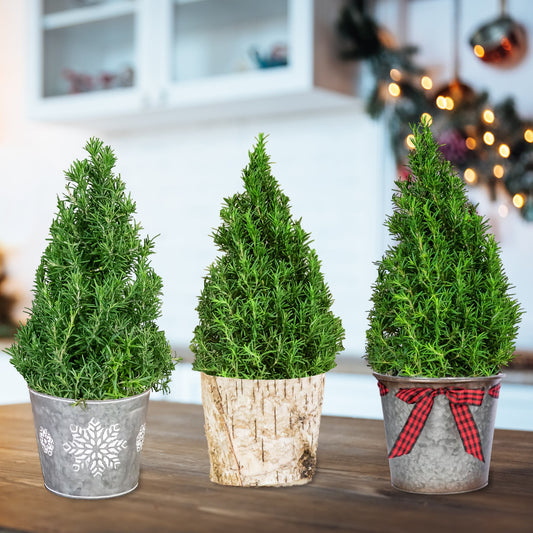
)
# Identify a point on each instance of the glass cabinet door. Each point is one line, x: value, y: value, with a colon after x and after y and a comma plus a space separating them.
x: 87, y: 46
x: 110, y: 59
x: 212, y: 38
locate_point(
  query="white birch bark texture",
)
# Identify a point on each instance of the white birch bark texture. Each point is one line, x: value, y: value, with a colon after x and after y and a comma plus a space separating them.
x: 262, y: 432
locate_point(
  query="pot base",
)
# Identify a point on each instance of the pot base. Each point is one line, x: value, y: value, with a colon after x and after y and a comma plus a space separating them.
x: 439, y: 492
x: 105, y: 497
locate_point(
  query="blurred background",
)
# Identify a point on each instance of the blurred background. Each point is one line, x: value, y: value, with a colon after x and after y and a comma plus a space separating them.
x: 181, y: 88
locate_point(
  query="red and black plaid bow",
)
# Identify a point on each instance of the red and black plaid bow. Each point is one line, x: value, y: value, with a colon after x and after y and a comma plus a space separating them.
x: 383, y: 389
x: 423, y: 399
x: 495, y: 391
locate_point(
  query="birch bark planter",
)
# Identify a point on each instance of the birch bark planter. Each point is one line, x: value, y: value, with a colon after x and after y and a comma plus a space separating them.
x: 262, y: 432
x: 90, y: 450
x: 439, y: 431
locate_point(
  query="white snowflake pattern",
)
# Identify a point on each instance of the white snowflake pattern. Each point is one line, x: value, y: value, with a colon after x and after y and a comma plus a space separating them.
x: 140, y: 437
x: 95, y: 447
x: 47, y: 442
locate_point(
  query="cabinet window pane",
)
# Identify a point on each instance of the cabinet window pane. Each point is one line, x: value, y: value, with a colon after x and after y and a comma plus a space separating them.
x: 89, y: 57
x: 218, y: 37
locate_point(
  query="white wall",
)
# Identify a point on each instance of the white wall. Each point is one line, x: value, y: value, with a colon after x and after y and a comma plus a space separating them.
x: 31, y: 156
x: 332, y: 164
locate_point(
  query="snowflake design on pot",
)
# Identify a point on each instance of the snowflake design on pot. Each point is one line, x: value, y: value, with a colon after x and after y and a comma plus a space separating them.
x: 46, y: 440
x: 140, y: 437
x: 95, y: 447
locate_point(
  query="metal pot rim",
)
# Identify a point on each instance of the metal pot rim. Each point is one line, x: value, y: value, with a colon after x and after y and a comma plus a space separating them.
x: 438, y: 381
x: 90, y: 402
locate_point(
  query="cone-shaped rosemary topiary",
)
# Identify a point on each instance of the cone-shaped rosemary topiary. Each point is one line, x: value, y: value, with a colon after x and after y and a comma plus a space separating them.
x: 442, y: 306
x: 91, y: 333
x: 264, y: 312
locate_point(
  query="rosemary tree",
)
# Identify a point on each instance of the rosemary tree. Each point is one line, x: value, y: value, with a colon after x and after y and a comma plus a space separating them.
x: 441, y: 302
x: 91, y: 333
x: 264, y: 311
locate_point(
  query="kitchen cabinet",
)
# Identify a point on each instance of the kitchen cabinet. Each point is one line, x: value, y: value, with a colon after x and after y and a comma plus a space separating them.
x: 115, y: 62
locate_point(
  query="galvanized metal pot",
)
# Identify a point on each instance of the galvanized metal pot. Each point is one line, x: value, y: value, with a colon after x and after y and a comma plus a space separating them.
x: 90, y: 450
x: 439, y: 431
x: 262, y: 432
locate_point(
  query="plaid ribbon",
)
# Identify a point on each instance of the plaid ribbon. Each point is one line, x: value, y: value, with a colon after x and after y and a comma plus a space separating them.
x: 423, y: 399
x: 383, y: 389
x: 495, y: 391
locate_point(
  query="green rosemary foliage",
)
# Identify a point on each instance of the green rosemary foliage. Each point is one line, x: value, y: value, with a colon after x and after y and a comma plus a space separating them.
x: 441, y: 302
x: 91, y: 333
x: 264, y: 311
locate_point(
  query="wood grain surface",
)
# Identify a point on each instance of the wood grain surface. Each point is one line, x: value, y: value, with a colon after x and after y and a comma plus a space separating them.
x: 350, y: 491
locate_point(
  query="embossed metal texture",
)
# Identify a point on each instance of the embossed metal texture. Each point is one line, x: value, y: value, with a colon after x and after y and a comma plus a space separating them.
x: 90, y: 449
x: 439, y: 461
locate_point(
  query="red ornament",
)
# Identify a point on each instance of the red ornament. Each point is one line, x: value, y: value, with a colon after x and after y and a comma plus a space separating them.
x: 501, y: 42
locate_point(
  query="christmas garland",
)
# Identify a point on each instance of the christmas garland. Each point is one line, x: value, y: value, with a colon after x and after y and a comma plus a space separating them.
x: 488, y: 144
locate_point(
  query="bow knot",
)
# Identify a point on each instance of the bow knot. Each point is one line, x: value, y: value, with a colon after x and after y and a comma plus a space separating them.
x: 423, y: 398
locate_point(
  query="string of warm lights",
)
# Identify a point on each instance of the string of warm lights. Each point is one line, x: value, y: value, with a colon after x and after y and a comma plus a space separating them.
x: 489, y: 144
x: 446, y: 102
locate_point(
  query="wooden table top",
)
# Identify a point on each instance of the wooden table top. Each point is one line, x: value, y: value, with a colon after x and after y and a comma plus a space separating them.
x: 351, y: 490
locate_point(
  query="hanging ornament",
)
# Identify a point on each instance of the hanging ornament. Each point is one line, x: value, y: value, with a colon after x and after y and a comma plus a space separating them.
x: 453, y: 145
x: 456, y: 93
x: 502, y: 42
